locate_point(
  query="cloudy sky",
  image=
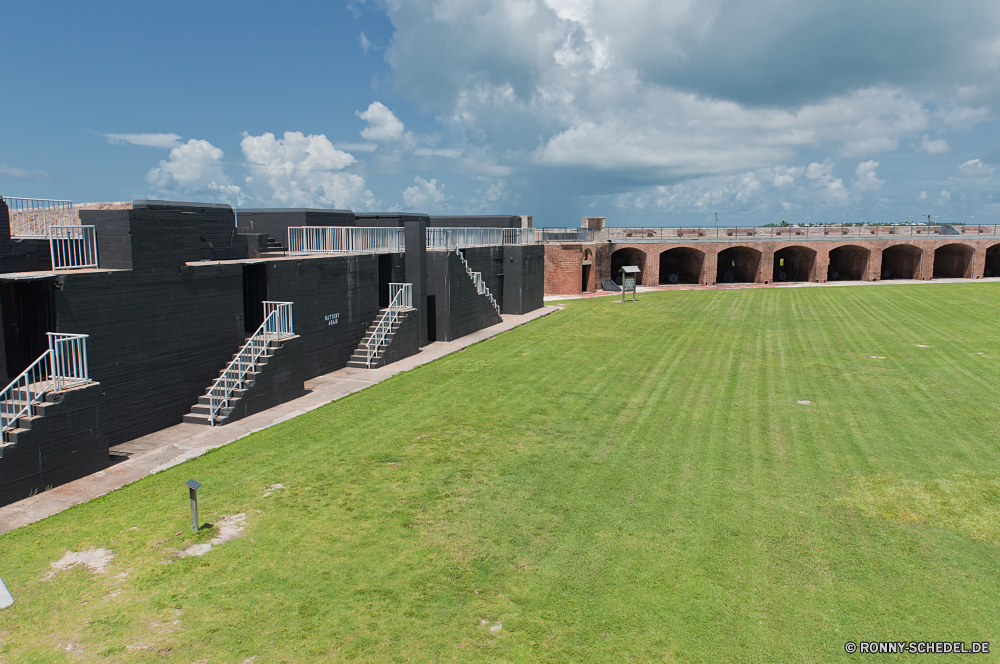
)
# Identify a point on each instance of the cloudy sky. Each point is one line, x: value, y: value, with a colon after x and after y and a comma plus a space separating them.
x: 646, y: 112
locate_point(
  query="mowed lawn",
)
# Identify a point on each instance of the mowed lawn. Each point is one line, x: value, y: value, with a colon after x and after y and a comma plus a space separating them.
x: 611, y: 483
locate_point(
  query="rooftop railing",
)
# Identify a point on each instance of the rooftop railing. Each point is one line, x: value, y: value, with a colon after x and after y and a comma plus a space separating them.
x: 344, y: 240
x: 451, y: 239
x: 33, y: 217
x: 762, y: 233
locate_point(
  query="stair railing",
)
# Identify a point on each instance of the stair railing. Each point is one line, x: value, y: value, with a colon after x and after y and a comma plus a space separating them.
x: 276, y: 326
x: 477, y: 280
x: 401, y: 299
x: 63, y: 365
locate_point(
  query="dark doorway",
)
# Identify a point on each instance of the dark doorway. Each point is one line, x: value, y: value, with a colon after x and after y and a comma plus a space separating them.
x: 254, y: 294
x: 953, y: 261
x: 993, y: 261
x: 628, y: 256
x: 384, y: 277
x: 793, y: 264
x: 901, y: 261
x: 847, y: 263
x: 738, y: 265
x: 431, y: 319
x: 28, y: 314
x: 681, y: 266
x: 584, y: 286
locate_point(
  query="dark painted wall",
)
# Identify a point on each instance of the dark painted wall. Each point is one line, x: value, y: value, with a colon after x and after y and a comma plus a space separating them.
x: 406, y: 339
x: 460, y: 309
x: 524, y: 279
x: 21, y: 255
x: 415, y: 234
x: 62, y: 446
x: 388, y: 219
x: 489, y: 261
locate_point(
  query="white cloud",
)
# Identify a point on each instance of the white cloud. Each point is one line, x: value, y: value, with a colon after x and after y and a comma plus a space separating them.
x: 149, y: 140
x: 383, y: 125
x: 975, y: 168
x: 939, y: 146
x: 424, y: 192
x: 302, y: 171
x: 922, y: 196
x: 865, y: 178
x: 23, y: 173
x: 193, y: 167
x: 365, y: 44
x: 832, y: 189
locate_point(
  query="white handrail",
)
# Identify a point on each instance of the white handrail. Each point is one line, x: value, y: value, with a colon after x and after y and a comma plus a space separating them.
x: 344, y: 240
x: 446, y: 239
x: 477, y: 281
x: 73, y: 247
x: 402, y: 298
x: 63, y: 365
x: 32, y: 217
x: 276, y: 326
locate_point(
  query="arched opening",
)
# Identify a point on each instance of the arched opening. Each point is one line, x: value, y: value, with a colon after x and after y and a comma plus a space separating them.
x: 628, y: 256
x: 993, y: 261
x: 793, y: 264
x: 953, y: 261
x: 848, y: 263
x: 681, y: 266
x: 738, y: 265
x: 901, y: 261
x: 588, y: 261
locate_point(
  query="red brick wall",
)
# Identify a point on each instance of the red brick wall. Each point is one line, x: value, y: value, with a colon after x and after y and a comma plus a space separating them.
x: 564, y: 262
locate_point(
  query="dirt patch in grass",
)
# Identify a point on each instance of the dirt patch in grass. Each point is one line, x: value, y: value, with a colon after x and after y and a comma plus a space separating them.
x: 95, y: 559
x: 230, y: 527
x: 968, y: 503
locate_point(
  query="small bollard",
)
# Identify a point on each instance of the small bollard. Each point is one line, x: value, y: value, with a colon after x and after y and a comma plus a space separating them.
x: 193, y: 487
x: 6, y: 599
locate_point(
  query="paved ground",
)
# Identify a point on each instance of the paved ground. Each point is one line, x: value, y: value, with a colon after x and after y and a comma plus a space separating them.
x: 790, y: 284
x: 169, y: 447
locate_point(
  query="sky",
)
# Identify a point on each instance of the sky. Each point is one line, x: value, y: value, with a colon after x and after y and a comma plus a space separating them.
x: 647, y: 113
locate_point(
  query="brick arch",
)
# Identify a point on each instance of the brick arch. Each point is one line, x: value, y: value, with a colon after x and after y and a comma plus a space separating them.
x: 953, y: 261
x: 848, y: 262
x: 681, y: 265
x: 794, y: 263
x: 901, y: 261
x: 628, y: 256
x: 738, y: 265
x: 993, y: 261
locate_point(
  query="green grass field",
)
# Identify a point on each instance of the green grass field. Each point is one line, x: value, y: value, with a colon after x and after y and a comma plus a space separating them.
x: 611, y: 483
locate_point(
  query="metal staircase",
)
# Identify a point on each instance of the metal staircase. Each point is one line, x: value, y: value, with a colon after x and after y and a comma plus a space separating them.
x: 62, y: 366
x: 379, y: 336
x: 233, y: 381
x: 477, y: 280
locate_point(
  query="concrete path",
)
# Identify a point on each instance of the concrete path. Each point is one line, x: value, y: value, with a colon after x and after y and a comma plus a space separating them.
x: 169, y: 447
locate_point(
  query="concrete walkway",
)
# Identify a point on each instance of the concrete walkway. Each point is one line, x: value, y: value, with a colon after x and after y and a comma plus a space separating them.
x: 169, y: 447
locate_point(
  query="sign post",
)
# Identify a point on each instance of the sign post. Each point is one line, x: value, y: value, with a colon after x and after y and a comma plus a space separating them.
x: 193, y: 487
x: 629, y: 275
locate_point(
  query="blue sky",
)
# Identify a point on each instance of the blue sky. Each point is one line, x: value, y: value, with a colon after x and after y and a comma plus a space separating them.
x: 649, y: 113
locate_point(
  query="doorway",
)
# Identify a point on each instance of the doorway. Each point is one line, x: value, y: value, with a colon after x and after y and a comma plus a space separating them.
x: 431, y: 319
x: 28, y: 315
x: 384, y: 277
x: 254, y: 294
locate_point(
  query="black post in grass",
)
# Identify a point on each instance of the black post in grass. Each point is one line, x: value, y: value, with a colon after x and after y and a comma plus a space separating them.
x: 193, y: 487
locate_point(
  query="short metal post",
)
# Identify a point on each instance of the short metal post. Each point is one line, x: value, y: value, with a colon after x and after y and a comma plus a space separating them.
x: 193, y: 487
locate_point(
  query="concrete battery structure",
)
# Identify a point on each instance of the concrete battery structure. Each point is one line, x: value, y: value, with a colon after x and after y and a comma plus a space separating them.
x: 180, y: 288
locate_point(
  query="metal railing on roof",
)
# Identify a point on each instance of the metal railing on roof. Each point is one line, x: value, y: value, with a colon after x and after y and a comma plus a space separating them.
x: 33, y: 217
x: 763, y: 233
x: 450, y: 239
x: 344, y: 240
x: 73, y: 247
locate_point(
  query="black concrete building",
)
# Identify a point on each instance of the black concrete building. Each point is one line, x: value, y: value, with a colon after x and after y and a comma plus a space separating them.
x: 179, y: 289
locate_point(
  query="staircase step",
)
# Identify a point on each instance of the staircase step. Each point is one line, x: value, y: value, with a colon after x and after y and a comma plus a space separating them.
x: 193, y: 418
